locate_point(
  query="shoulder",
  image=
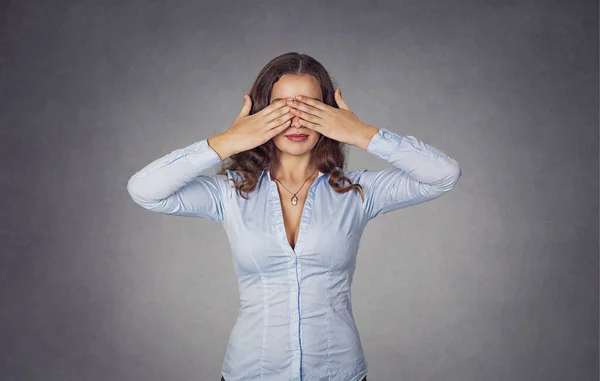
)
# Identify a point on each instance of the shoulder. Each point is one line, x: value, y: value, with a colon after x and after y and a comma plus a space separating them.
x: 225, y: 183
x: 226, y: 179
x: 354, y: 175
x: 230, y: 176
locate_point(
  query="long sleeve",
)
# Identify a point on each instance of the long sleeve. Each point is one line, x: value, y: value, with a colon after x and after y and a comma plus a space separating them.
x: 174, y: 184
x: 420, y: 173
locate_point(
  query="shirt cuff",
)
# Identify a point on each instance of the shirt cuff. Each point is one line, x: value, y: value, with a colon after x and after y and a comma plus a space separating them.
x: 201, y: 155
x: 384, y: 143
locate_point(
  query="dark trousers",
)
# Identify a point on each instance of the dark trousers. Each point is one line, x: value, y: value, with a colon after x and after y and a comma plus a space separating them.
x: 364, y: 379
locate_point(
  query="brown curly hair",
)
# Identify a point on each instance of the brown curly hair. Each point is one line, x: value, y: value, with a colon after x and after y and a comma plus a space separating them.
x: 329, y: 154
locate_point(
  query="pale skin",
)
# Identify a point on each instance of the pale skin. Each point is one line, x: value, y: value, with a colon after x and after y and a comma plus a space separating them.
x: 296, y: 108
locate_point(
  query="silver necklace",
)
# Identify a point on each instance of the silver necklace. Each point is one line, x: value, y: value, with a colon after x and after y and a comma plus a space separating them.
x: 294, y: 198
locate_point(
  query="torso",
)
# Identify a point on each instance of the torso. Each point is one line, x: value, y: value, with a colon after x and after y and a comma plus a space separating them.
x: 293, y: 213
x: 312, y: 282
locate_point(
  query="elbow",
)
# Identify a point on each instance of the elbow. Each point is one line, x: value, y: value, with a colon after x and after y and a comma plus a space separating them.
x: 449, y: 180
x: 455, y: 174
x: 135, y: 192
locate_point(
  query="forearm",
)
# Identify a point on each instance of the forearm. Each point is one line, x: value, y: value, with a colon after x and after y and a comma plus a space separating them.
x: 166, y: 175
x: 420, y: 173
x: 419, y: 160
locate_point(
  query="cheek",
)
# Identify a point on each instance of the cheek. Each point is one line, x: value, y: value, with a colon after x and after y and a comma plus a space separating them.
x: 280, y: 140
x: 280, y: 137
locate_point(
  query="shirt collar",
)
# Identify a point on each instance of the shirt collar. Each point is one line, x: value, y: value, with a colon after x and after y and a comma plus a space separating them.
x: 267, y: 173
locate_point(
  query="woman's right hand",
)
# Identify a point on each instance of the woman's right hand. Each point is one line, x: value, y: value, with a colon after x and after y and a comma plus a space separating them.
x: 250, y: 131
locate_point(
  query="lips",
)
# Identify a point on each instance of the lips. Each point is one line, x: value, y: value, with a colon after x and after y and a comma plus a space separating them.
x: 297, y: 137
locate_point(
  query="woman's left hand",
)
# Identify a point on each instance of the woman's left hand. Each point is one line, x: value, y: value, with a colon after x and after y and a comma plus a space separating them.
x: 336, y: 123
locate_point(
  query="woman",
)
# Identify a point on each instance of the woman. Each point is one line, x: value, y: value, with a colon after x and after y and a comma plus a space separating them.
x: 294, y: 217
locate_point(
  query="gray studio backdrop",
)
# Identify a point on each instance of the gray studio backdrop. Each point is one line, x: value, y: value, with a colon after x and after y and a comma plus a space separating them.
x: 497, y: 280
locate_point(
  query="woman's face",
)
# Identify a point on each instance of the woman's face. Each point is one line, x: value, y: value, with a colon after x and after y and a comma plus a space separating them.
x: 290, y: 85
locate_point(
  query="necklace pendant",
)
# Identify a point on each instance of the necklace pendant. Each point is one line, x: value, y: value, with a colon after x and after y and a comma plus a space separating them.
x: 294, y: 200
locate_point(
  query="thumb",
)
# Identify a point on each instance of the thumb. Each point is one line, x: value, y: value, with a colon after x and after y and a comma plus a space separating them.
x: 247, y: 106
x: 339, y: 100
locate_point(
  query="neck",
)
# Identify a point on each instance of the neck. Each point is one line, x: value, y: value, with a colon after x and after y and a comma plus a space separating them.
x: 292, y: 169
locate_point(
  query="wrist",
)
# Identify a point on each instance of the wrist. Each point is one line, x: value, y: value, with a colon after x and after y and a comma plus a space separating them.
x: 219, y: 144
x: 366, y: 134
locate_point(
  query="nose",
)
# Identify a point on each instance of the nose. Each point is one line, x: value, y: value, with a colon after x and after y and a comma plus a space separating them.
x: 296, y: 122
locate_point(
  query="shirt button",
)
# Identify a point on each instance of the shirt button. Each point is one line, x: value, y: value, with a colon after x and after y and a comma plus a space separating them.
x: 292, y: 256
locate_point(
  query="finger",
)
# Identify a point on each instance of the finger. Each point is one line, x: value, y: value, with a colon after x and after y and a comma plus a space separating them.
x: 306, y: 116
x: 311, y: 125
x: 274, y: 115
x: 246, y: 107
x: 276, y: 130
x: 280, y: 119
x: 272, y: 107
x: 339, y: 100
x: 307, y: 108
x: 313, y: 102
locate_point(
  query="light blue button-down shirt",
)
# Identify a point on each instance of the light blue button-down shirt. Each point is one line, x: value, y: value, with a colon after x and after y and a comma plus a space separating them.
x: 295, y: 320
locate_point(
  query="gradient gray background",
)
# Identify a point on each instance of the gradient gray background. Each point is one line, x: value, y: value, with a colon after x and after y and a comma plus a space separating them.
x: 497, y: 280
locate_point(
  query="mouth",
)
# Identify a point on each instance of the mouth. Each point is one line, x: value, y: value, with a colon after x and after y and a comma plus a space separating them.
x: 297, y: 137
